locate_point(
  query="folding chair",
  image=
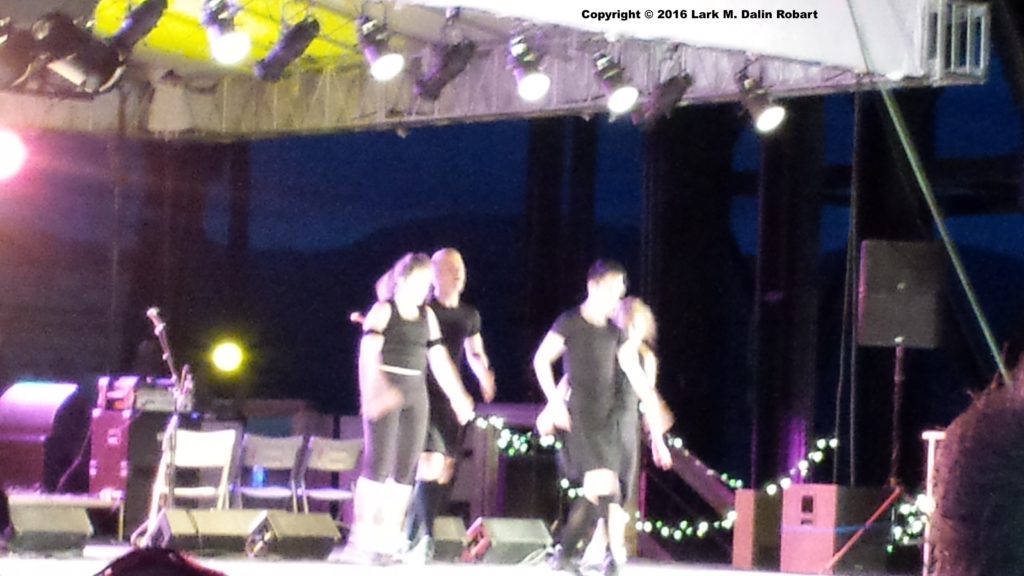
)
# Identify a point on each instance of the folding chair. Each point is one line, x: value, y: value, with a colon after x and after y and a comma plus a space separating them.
x: 273, y: 457
x: 201, y: 450
x: 328, y: 455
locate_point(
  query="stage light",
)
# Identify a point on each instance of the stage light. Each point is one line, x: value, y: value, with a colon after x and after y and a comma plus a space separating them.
x: 664, y: 98
x: 766, y: 114
x: 16, y: 54
x: 13, y: 154
x: 531, y: 83
x: 452, y: 60
x: 227, y: 44
x: 139, y: 22
x: 292, y: 44
x: 612, y: 76
x: 373, y: 41
x: 227, y: 356
x: 76, y: 55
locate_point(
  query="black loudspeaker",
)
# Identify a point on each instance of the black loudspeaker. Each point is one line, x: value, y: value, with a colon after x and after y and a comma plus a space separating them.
x: 290, y: 535
x: 39, y: 528
x: 449, y: 538
x: 900, y: 294
x: 527, y: 481
x: 207, y: 531
x: 505, y: 540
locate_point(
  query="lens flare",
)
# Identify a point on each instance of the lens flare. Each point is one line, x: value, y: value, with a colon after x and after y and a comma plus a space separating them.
x: 13, y: 154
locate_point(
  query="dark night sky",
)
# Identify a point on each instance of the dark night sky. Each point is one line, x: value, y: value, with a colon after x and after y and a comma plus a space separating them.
x: 324, y: 192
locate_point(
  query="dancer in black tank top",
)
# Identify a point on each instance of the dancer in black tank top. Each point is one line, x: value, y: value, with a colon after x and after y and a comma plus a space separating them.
x: 460, y: 330
x: 401, y: 339
x: 591, y: 349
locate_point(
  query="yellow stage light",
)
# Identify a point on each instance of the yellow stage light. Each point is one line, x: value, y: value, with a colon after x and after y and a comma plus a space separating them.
x: 227, y: 356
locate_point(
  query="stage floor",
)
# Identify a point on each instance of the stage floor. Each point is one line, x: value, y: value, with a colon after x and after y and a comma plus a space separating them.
x: 96, y: 557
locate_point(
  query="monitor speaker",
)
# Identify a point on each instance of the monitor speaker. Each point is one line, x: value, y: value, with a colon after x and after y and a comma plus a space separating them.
x: 900, y: 294
x: 208, y: 531
x: 41, y: 528
x: 449, y: 538
x: 290, y: 535
x: 505, y: 540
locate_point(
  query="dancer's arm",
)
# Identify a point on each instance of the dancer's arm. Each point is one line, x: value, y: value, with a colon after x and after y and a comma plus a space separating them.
x: 445, y: 373
x: 376, y: 395
x: 629, y: 360
x: 659, y: 449
x: 480, y: 364
x: 550, y: 350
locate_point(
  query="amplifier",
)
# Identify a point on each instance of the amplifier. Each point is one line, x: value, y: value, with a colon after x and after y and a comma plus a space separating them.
x: 126, y: 449
x: 137, y: 393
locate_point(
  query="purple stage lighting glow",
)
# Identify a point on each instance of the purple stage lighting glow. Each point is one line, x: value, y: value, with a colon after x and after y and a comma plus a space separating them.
x: 13, y: 154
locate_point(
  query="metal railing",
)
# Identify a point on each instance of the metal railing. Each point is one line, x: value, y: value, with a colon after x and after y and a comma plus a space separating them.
x: 958, y: 42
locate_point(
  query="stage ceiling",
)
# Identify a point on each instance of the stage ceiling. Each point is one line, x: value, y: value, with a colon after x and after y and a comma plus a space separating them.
x: 172, y: 88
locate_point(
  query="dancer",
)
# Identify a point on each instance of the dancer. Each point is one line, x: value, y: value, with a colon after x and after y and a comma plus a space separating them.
x: 460, y: 330
x: 593, y: 349
x: 608, y: 544
x: 401, y: 339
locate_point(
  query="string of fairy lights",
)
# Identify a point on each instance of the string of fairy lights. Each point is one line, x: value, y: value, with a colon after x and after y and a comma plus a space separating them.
x: 909, y: 517
x: 513, y: 443
x: 910, y: 520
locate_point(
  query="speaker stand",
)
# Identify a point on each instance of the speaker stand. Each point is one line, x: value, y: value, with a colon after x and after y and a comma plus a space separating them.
x: 898, y: 379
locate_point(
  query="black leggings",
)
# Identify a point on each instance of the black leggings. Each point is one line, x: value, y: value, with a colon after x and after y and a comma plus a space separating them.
x: 394, y: 441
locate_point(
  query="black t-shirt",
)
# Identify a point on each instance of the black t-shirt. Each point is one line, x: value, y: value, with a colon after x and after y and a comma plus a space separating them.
x: 456, y: 325
x: 591, y: 362
x: 405, y: 341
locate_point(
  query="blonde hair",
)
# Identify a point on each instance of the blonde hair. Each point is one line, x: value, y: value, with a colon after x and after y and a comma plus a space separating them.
x: 631, y: 308
x: 402, y: 269
x: 442, y: 253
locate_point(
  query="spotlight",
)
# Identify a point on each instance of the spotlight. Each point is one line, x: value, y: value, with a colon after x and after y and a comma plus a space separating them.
x: 138, y: 24
x: 288, y: 49
x: 373, y: 41
x: 12, y: 154
x: 76, y: 55
x: 766, y: 114
x: 531, y: 83
x: 621, y: 96
x: 227, y: 45
x: 227, y: 356
x: 451, y: 62
x: 16, y: 54
x: 664, y: 98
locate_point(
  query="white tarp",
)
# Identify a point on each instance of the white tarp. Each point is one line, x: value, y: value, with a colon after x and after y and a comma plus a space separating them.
x: 828, y: 32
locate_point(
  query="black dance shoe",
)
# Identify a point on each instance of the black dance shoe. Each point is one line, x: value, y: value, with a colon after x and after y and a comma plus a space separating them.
x: 561, y: 561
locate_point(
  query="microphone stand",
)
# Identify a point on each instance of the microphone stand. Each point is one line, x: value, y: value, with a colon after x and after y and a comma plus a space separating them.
x: 182, y: 391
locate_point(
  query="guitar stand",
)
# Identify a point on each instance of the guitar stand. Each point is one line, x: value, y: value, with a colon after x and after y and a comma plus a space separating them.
x: 144, y: 535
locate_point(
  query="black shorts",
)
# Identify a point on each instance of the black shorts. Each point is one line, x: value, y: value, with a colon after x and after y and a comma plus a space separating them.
x: 445, y: 434
x: 613, y: 444
x: 594, y: 443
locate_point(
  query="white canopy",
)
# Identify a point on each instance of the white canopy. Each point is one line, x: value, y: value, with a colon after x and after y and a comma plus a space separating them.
x: 810, y: 47
x: 830, y: 32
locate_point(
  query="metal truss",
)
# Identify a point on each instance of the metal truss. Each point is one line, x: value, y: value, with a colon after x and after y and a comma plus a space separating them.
x: 164, y: 104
